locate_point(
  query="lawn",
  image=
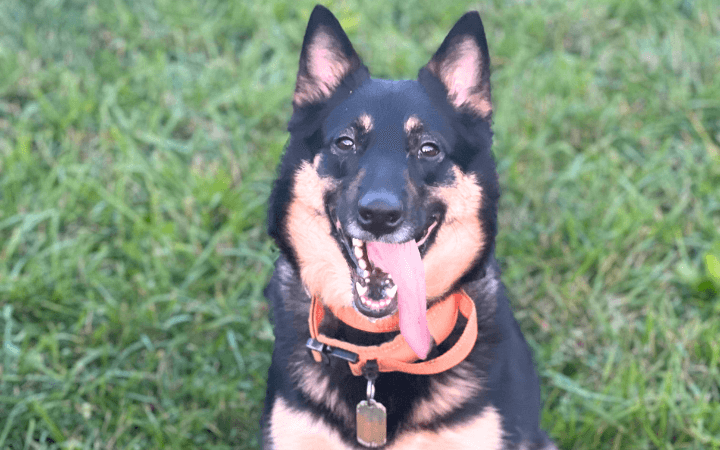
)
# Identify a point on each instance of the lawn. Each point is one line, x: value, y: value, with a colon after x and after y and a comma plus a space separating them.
x: 138, y: 143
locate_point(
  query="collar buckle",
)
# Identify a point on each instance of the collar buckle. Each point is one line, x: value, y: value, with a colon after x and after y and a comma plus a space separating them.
x: 326, y: 351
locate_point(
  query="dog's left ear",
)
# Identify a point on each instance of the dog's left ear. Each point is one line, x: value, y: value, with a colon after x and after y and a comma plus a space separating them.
x: 462, y: 65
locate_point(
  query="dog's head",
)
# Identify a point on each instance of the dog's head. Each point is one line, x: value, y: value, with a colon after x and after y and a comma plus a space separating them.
x: 387, y: 192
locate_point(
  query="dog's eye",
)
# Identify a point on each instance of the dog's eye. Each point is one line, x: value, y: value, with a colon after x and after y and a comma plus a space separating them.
x: 345, y: 144
x: 428, y: 150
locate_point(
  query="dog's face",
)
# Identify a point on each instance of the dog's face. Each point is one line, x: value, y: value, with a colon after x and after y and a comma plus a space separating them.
x: 387, y: 192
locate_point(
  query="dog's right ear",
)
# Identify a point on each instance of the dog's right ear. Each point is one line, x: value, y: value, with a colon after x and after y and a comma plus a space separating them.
x: 327, y: 57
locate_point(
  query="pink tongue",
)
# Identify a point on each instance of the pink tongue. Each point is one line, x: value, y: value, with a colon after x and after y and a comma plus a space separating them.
x: 403, y: 262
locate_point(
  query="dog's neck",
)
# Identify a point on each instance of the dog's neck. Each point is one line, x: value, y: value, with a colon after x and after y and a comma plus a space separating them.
x: 397, y: 355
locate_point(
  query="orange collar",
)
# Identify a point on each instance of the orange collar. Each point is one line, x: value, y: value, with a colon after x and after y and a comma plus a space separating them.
x: 396, y: 355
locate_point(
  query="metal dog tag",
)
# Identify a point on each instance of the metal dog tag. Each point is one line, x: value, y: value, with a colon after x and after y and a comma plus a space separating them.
x: 371, y: 423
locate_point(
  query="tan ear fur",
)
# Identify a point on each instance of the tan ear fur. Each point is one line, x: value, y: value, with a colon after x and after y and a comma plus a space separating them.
x: 326, y: 67
x: 460, y: 72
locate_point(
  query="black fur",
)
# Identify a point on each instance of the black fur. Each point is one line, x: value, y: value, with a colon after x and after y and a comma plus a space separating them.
x: 391, y: 161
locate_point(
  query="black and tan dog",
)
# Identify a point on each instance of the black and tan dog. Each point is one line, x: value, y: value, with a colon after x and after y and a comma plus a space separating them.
x: 392, y: 326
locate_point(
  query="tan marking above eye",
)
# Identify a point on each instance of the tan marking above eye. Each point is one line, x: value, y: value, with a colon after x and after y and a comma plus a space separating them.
x: 366, y: 123
x: 411, y: 124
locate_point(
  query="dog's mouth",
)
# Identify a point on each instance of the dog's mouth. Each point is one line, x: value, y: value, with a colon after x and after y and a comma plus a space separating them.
x: 375, y: 290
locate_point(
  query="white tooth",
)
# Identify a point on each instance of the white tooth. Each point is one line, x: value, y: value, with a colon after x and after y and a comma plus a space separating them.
x: 364, y: 299
x: 363, y: 264
x: 358, y: 252
x: 392, y: 291
x: 360, y: 288
x: 356, y: 242
x: 367, y: 280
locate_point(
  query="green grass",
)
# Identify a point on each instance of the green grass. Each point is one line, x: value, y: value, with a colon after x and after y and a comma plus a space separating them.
x: 138, y: 141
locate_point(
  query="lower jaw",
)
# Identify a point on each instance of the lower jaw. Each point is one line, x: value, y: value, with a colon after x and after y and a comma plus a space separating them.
x: 375, y: 292
x: 375, y: 309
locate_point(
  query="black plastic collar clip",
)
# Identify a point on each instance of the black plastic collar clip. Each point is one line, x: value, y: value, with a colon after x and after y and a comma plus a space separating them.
x: 326, y: 351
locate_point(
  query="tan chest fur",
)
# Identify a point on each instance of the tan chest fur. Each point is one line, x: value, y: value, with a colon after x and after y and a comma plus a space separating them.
x: 298, y: 430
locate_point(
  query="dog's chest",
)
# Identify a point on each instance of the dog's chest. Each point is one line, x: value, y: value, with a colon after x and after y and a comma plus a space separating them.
x: 299, y: 430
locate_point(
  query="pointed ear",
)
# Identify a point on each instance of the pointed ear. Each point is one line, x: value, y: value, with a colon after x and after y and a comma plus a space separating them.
x: 327, y: 57
x: 462, y: 64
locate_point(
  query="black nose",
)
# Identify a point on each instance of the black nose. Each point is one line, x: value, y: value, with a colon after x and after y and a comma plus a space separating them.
x: 380, y: 212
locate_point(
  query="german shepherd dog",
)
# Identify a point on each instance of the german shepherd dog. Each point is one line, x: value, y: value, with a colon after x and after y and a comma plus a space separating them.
x: 392, y: 326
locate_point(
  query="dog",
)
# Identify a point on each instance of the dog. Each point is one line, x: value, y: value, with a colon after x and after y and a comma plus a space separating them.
x: 392, y: 327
